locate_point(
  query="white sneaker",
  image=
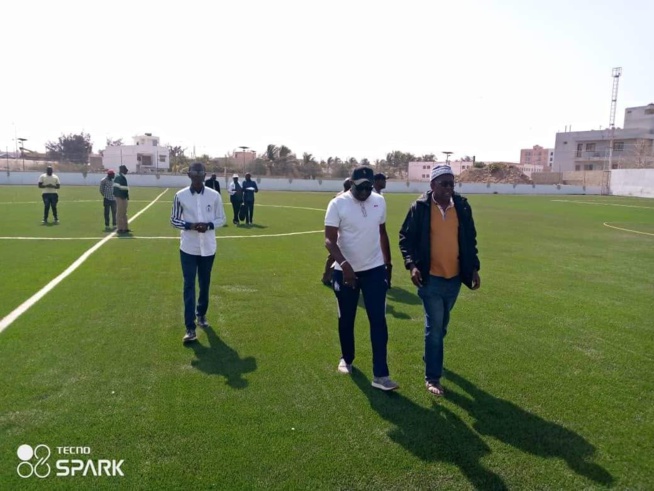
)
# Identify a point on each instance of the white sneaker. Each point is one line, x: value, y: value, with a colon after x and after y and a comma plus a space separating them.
x: 344, y: 367
x: 384, y: 383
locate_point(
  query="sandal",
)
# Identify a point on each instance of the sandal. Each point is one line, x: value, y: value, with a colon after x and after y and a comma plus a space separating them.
x: 435, y: 388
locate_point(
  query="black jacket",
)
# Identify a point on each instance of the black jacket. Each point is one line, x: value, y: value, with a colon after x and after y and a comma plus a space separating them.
x: 213, y: 184
x: 415, y: 237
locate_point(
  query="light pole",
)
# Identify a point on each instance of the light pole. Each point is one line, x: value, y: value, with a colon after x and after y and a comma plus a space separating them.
x: 447, y: 157
x: 22, y: 150
x: 243, y: 149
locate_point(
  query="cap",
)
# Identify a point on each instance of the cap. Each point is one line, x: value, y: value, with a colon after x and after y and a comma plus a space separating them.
x: 111, y: 172
x: 439, y: 170
x: 235, y: 175
x: 361, y: 174
x: 122, y: 167
x: 380, y: 176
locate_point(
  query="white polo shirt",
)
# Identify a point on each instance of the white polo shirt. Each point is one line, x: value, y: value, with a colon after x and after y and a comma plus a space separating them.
x: 203, y: 207
x: 53, y: 180
x: 358, y: 229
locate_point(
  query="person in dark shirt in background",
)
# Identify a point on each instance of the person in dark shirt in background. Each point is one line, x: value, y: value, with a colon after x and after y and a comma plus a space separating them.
x: 212, y: 183
x: 249, y: 188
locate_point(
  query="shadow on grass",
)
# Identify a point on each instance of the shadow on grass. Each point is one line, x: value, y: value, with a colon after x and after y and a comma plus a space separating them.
x: 525, y: 431
x: 252, y: 225
x: 400, y: 295
x: 220, y: 359
x: 435, y: 434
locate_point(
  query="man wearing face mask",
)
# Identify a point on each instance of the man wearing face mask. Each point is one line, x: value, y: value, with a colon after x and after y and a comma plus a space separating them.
x: 197, y: 212
x: 438, y: 242
x: 355, y: 236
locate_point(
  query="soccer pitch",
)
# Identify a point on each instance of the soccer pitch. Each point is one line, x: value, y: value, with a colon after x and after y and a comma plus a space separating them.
x: 549, y: 366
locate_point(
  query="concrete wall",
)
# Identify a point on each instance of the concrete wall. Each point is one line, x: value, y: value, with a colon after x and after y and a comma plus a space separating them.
x: 269, y: 184
x: 633, y: 182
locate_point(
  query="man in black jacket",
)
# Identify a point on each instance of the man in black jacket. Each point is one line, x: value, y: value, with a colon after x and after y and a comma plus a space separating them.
x: 212, y: 183
x: 438, y: 241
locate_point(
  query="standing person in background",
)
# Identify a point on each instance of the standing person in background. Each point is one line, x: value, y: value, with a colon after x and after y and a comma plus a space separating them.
x: 249, y: 188
x: 197, y: 212
x: 327, y: 272
x: 121, y: 193
x: 379, y: 183
x: 438, y: 241
x: 235, y: 191
x: 49, y: 182
x: 212, y: 183
x: 109, y: 201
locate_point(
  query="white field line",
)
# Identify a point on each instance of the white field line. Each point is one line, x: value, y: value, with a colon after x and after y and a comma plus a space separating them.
x: 65, y: 202
x: 627, y: 230
x: 601, y: 204
x: 112, y: 236
x: 25, y: 306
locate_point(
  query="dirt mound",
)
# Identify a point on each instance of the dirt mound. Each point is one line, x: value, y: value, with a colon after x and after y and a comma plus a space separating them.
x: 497, y: 173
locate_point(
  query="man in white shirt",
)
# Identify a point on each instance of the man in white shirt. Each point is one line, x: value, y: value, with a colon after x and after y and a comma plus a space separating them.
x: 235, y: 191
x: 49, y: 182
x: 355, y: 236
x: 198, y: 212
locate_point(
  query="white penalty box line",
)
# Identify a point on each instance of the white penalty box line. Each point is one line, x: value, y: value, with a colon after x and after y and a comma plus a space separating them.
x: 27, y: 304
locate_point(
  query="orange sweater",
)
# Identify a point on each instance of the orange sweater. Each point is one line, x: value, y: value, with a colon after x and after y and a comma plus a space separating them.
x: 444, y: 242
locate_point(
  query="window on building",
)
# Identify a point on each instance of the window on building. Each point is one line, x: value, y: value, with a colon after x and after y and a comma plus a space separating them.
x: 577, y: 167
x: 590, y: 147
x: 588, y: 167
x: 162, y: 158
x: 155, y: 142
x: 614, y: 166
x: 618, y: 146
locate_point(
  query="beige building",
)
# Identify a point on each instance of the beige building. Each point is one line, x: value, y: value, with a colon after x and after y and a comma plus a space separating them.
x: 589, y: 150
x: 537, y: 155
x: 421, y: 171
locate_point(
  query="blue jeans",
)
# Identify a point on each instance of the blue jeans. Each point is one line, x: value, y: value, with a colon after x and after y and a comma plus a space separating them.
x: 438, y: 298
x: 193, y: 266
x: 250, y: 211
x: 373, y: 285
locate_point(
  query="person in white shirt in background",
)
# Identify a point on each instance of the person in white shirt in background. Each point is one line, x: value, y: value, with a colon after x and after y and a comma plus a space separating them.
x: 355, y: 236
x: 235, y: 191
x: 198, y: 212
x: 49, y: 182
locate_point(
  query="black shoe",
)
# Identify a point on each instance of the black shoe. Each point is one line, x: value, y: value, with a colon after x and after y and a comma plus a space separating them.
x: 202, y: 321
x: 189, y: 337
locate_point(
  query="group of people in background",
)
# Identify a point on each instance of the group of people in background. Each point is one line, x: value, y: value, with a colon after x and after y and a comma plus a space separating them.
x: 438, y: 243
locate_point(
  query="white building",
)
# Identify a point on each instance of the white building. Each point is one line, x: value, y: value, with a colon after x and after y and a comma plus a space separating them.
x: 589, y: 150
x: 421, y: 171
x: 145, y: 155
x: 528, y: 169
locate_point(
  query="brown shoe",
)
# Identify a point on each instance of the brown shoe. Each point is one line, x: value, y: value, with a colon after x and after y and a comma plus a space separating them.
x: 435, y: 388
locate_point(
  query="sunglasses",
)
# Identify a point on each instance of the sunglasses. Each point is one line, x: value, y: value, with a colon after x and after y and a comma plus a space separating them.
x: 363, y: 187
x: 446, y: 184
x: 196, y: 173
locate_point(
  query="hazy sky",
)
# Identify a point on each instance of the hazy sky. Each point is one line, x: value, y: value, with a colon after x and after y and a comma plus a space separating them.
x: 346, y: 78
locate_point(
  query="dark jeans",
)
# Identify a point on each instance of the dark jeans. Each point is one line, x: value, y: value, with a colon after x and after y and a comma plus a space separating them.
x: 373, y: 285
x: 50, y: 200
x: 193, y: 266
x: 109, y: 205
x: 438, y: 298
x: 236, y: 205
x: 249, y: 205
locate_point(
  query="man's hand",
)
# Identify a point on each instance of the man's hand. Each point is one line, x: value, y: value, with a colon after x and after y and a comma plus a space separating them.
x: 349, y: 277
x: 416, y: 277
x: 201, y: 227
x: 476, y: 281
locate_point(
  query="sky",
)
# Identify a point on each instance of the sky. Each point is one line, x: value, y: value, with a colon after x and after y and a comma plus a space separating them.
x: 343, y: 78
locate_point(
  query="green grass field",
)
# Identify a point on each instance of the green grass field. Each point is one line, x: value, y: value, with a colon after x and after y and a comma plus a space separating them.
x: 549, y: 365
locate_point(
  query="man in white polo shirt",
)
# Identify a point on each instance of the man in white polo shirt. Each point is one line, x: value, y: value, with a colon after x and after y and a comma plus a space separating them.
x: 198, y: 212
x: 49, y: 183
x: 355, y: 236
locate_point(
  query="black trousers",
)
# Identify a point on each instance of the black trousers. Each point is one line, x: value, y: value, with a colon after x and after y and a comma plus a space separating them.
x: 109, y: 205
x: 249, y: 205
x: 236, y: 205
x: 192, y: 267
x: 50, y: 200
